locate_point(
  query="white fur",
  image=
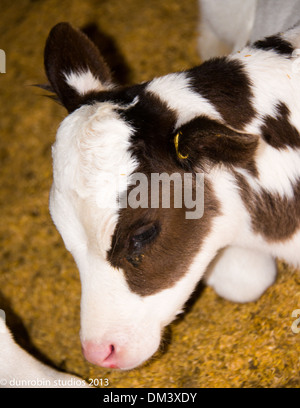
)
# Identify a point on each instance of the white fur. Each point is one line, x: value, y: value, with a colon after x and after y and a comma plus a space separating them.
x: 267, y: 91
x: 278, y: 170
x: 286, y: 250
x: 175, y: 91
x: 241, y: 275
x: 83, y: 82
x: 234, y: 225
x: 18, y: 369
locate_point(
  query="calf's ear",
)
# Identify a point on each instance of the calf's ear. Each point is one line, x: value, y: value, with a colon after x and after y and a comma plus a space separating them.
x: 203, y: 140
x: 74, y: 66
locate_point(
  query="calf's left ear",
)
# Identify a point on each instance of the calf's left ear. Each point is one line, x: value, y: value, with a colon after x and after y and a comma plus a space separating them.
x: 203, y: 140
x: 74, y: 66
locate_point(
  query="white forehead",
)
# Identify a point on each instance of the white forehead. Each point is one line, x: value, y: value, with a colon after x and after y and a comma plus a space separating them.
x: 92, y: 141
x: 90, y: 157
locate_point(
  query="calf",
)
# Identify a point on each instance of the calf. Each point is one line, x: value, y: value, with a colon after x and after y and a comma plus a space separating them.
x: 235, y: 120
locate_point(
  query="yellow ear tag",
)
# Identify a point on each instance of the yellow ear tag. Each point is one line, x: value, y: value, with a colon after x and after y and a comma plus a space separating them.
x: 176, y: 142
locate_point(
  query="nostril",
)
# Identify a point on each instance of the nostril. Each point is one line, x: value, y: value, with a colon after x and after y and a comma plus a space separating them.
x: 110, y: 352
x: 100, y: 354
x: 110, y: 359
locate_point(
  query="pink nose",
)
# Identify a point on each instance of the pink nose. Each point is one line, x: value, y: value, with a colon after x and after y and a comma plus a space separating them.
x: 103, y: 355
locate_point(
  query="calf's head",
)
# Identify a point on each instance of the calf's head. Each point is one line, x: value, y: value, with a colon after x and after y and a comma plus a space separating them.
x: 138, y: 263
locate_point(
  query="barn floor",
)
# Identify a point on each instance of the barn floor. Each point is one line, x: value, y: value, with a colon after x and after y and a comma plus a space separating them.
x: 216, y: 343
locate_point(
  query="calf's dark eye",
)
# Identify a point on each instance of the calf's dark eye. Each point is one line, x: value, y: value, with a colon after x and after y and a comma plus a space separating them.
x: 143, y: 236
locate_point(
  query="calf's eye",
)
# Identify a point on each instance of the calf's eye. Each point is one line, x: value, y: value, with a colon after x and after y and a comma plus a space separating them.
x: 143, y: 236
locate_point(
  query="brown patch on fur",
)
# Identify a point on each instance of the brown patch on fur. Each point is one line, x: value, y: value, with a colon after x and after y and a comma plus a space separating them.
x: 275, y: 43
x: 279, y: 132
x: 160, y: 263
x: 226, y: 85
x: 274, y: 217
x: 206, y: 141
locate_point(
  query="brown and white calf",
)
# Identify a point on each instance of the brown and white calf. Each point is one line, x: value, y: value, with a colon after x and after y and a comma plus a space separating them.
x: 235, y: 119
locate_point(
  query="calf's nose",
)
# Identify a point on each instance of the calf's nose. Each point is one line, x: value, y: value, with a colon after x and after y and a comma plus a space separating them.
x: 103, y: 355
